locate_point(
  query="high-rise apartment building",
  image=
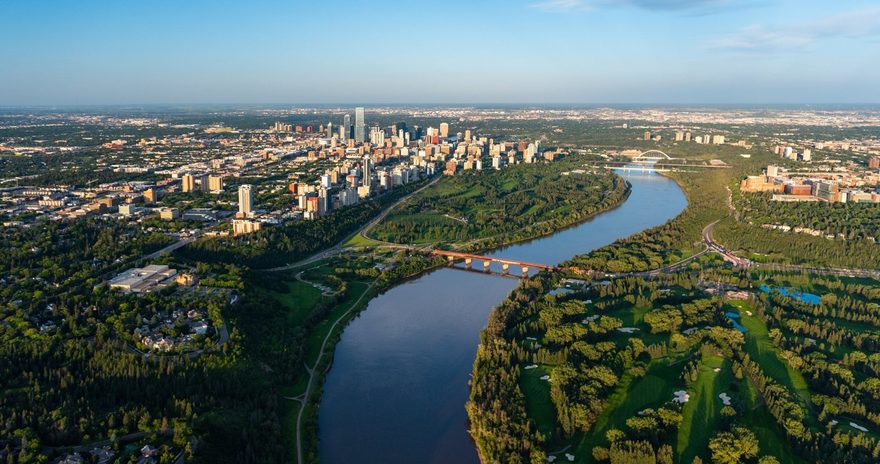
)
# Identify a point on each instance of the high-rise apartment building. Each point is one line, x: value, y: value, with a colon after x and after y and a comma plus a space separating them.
x: 245, y: 200
x: 188, y: 182
x: 359, y: 124
x: 215, y: 183
x: 444, y: 129
x: 367, y: 172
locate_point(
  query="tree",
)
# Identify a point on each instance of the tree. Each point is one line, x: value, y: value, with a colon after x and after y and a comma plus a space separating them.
x: 733, y: 447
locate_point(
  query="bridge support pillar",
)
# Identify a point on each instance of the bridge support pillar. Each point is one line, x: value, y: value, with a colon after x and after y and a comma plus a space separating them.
x: 450, y: 260
x: 505, y: 267
x: 525, y: 270
x: 486, y: 264
x: 467, y: 263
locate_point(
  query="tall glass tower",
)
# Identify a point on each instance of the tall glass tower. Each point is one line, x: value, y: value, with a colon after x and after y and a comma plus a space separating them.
x: 346, y: 126
x: 359, y: 126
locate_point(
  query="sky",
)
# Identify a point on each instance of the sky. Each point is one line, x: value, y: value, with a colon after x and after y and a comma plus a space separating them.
x: 86, y: 52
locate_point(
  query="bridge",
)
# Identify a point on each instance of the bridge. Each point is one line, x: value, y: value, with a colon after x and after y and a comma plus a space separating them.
x: 505, y: 263
x: 653, y: 155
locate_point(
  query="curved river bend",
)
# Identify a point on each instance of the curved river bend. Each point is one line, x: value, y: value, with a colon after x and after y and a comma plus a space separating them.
x: 399, y: 381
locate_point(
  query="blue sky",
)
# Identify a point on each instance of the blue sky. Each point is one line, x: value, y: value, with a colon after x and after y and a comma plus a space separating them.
x: 543, y: 51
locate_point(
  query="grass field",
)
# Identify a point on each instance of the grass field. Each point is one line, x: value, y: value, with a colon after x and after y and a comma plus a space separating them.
x: 300, y: 299
x: 757, y: 418
x: 761, y: 349
x: 538, y: 403
x: 632, y: 396
x: 360, y: 241
x: 702, y: 414
x: 355, y: 290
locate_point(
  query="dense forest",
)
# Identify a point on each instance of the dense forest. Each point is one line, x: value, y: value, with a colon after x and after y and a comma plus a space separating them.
x: 852, y: 221
x: 678, y: 370
x: 491, y: 208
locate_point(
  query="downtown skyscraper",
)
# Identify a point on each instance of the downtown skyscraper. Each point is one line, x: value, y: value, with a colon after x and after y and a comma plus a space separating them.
x: 359, y: 125
x: 346, y: 127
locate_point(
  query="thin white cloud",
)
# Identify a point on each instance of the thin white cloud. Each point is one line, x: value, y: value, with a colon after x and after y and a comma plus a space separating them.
x: 562, y: 6
x: 566, y: 6
x: 863, y: 23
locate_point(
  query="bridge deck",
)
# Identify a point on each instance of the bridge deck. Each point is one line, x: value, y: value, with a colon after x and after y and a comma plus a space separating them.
x: 515, y: 262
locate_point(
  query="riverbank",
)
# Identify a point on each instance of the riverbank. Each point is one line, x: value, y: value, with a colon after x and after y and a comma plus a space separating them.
x: 488, y: 210
x: 300, y: 414
x: 376, y: 393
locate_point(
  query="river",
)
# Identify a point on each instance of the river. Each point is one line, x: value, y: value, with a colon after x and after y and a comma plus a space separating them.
x: 399, y: 381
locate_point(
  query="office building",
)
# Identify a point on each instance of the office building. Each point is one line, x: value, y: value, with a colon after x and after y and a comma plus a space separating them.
x: 444, y: 129
x: 826, y: 190
x: 359, y: 125
x: 245, y: 200
x: 647, y: 135
x: 772, y: 171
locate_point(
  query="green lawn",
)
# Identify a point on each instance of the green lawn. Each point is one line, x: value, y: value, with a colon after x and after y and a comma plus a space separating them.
x: 316, y: 337
x: 702, y: 414
x: 360, y: 241
x: 757, y: 418
x: 538, y: 403
x: 761, y: 349
x: 632, y: 396
x: 300, y: 299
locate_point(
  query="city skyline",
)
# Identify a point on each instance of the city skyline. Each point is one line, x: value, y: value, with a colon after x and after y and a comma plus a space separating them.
x: 528, y: 51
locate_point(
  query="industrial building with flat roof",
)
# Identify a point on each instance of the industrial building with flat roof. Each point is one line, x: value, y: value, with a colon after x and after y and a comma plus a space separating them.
x: 143, y: 279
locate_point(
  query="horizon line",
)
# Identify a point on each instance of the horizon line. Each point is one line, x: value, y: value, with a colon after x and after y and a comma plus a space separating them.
x: 430, y: 104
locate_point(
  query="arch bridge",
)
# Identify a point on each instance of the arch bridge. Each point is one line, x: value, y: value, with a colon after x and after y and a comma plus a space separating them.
x: 468, y: 258
x: 653, y: 155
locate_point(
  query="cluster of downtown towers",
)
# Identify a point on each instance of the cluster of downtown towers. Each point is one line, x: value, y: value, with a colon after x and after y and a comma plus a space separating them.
x: 358, y: 132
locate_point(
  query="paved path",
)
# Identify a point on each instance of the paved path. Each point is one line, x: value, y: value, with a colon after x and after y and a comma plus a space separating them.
x: 305, y: 396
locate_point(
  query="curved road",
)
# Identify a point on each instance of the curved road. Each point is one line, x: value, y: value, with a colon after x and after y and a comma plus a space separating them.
x: 336, y: 249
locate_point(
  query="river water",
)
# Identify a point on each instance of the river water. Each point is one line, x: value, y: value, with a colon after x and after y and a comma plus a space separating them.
x: 399, y: 381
